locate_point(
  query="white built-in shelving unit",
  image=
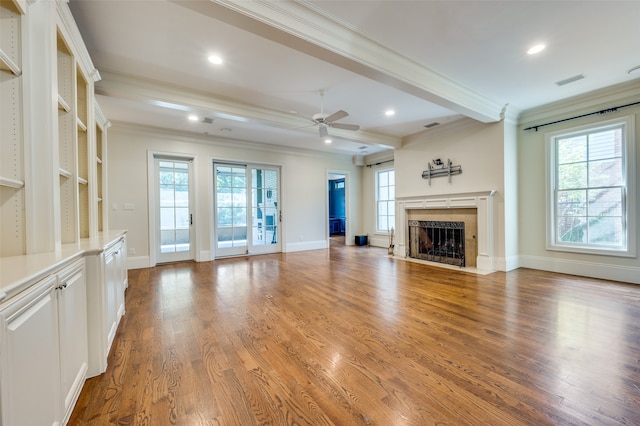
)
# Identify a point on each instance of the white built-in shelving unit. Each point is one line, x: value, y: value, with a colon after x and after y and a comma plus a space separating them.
x: 52, y: 162
x: 64, y: 272
x: 102, y: 124
x: 12, y: 179
x: 67, y: 155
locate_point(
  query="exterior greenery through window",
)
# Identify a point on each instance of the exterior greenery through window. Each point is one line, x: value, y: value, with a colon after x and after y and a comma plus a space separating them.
x: 588, y: 180
x: 385, y: 200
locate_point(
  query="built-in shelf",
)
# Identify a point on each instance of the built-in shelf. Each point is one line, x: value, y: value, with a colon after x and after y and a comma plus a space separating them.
x: 99, y: 199
x: 82, y: 181
x: 81, y: 125
x: 65, y: 173
x: 11, y: 183
x: 21, y: 5
x: 7, y: 64
x: 98, y: 160
x: 63, y: 105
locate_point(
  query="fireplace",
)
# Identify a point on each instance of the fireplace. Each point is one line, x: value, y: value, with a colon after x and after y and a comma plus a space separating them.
x: 437, y: 241
x: 479, y: 223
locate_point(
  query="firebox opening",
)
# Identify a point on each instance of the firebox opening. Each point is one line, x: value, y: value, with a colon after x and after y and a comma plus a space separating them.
x: 437, y: 241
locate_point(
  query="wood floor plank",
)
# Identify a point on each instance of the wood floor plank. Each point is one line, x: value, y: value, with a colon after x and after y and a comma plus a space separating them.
x: 351, y: 336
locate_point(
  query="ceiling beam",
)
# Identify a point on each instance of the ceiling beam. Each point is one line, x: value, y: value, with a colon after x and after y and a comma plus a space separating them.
x: 301, y: 26
x: 179, y: 98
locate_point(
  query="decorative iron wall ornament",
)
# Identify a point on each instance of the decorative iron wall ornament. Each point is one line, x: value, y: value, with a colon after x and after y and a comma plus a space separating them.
x: 439, y: 169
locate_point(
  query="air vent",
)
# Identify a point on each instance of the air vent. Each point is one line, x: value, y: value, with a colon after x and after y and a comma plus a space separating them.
x: 362, y: 147
x: 207, y: 120
x: 570, y: 80
x: 430, y: 125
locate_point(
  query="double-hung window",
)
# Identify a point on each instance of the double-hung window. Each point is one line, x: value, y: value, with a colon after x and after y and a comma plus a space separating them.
x: 591, y: 195
x: 385, y: 200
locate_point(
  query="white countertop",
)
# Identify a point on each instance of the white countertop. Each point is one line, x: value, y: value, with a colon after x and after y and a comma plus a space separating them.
x: 19, y: 272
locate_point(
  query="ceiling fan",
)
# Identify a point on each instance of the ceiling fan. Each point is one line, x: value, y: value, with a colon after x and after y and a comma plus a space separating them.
x: 324, y: 121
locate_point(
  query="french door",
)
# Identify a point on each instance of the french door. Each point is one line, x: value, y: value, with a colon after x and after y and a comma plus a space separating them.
x: 247, y: 212
x: 174, y: 225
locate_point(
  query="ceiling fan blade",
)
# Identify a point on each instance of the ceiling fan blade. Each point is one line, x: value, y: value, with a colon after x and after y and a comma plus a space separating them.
x: 323, y: 130
x: 345, y: 126
x: 336, y: 116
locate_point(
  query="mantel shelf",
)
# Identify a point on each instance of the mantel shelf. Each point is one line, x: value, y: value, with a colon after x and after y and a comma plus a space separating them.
x: 7, y: 64
x: 11, y: 183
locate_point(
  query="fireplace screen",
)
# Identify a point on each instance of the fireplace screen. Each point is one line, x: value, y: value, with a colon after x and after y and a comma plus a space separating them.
x: 437, y: 241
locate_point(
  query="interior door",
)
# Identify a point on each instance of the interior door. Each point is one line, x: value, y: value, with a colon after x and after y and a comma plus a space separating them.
x: 174, y: 195
x: 247, y: 215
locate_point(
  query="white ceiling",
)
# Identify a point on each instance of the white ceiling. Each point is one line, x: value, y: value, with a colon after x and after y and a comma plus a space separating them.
x: 431, y: 61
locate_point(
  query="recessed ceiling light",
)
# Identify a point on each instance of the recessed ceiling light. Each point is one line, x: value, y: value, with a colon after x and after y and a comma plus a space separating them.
x: 193, y: 117
x: 215, y: 59
x: 536, y: 49
x: 389, y: 113
x: 328, y: 140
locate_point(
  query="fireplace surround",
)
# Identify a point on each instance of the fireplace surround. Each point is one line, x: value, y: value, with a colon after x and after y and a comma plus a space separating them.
x: 484, y: 235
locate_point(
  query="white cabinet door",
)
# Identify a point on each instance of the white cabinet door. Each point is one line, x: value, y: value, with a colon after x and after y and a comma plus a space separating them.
x: 72, y: 322
x: 121, y: 279
x: 111, y: 290
x: 30, y: 365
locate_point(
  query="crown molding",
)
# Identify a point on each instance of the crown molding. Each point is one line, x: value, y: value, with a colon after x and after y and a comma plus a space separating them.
x: 303, y: 27
x: 217, y: 141
x: 127, y: 87
x: 620, y: 94
x: 71, y: 33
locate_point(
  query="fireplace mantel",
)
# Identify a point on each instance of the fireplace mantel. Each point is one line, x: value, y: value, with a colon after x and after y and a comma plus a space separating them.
x: 482, y: 201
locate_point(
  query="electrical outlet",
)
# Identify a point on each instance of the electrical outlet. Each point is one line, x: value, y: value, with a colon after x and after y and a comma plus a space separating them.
x: 132, y: 251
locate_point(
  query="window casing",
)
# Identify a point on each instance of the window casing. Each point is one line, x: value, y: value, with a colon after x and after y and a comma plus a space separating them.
x: 591, y: 189
x: 385, y: 200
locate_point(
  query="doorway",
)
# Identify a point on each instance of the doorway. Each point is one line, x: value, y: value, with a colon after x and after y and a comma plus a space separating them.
x: 337, y: 208
x: 247, y: 209
x: 174, y: 195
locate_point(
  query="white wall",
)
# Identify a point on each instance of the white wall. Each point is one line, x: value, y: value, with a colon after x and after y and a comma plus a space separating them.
x: 531, y: 184
x: 480, y: 150
x: 303, y: 192
x: 368, y: 197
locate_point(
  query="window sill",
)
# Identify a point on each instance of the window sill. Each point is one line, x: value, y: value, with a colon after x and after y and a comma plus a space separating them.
x: 594, y: 251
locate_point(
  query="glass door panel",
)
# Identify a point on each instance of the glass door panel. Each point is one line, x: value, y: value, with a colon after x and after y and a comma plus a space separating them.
x: 265, y: 215
x: 174, y: 210
x: 231, y: 209
x: 247, y: 211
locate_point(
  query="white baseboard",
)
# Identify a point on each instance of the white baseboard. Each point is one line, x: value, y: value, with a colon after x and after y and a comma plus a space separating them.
x: 138, y: 262
x: 307, y: 245
x: 507, y: 264
x: 630, y: 274
x: 378, y: 241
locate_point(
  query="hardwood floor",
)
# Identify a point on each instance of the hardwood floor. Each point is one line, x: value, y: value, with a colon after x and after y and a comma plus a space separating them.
x: 349, y: 336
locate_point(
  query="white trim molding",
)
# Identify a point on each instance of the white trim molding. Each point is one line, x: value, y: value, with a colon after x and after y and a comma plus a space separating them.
x: 482, y: 201
x: 605, y: 271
